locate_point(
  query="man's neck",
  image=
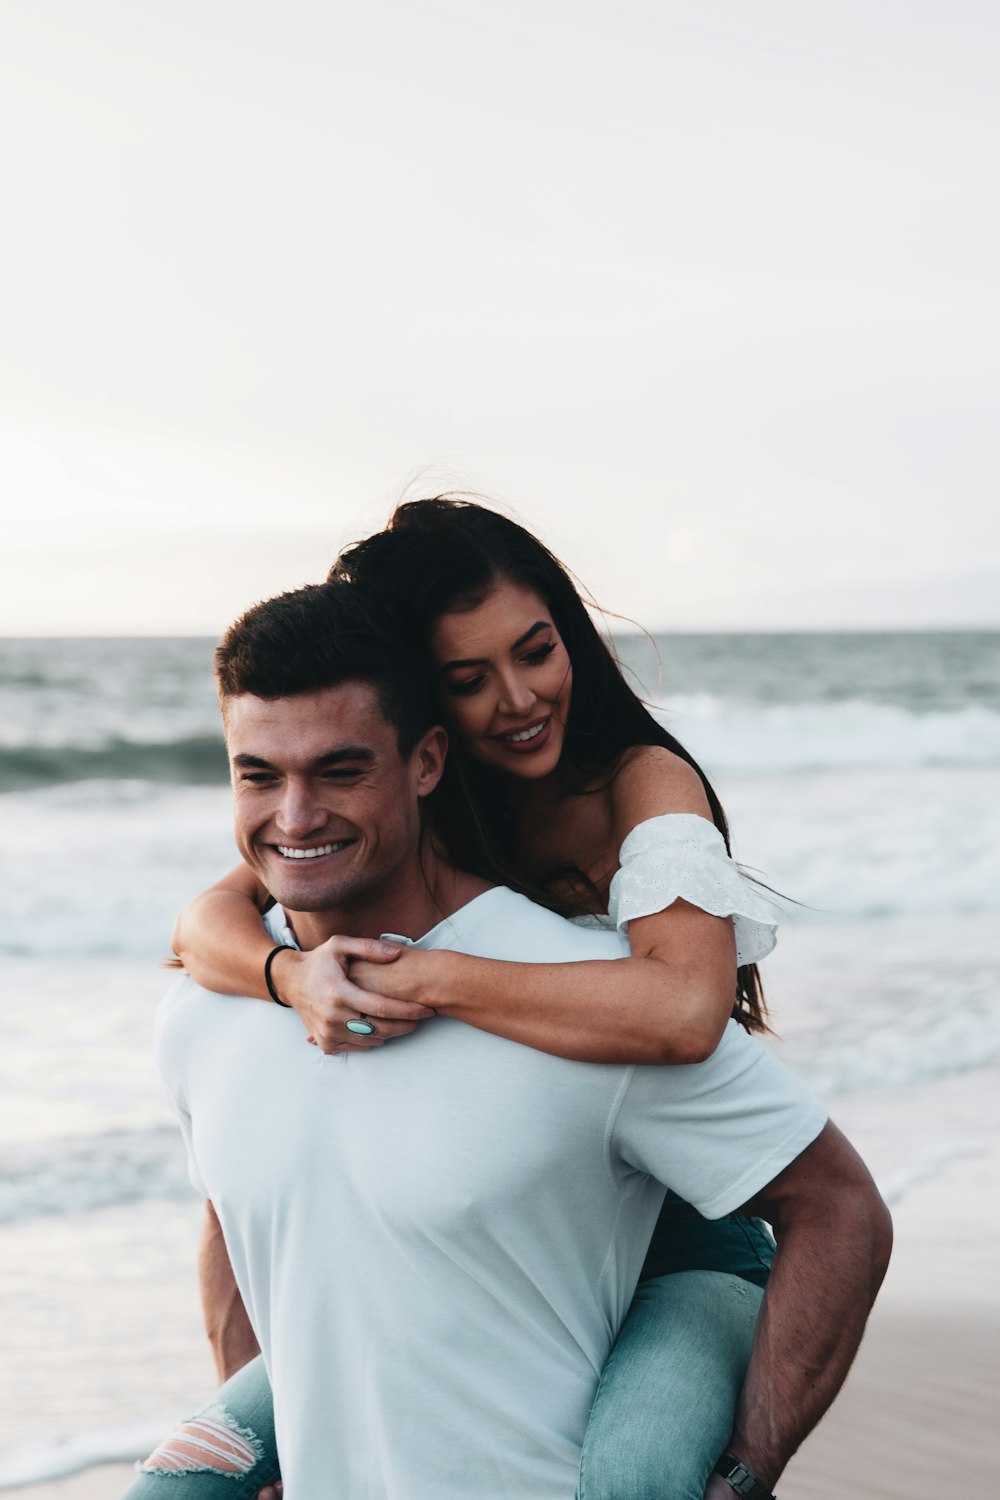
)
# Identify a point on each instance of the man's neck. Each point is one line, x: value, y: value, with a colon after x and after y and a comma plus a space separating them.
x: 410, y: 906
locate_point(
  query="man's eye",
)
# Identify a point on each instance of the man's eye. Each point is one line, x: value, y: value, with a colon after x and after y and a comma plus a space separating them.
x: 342, y: 774
x: 257, y: 778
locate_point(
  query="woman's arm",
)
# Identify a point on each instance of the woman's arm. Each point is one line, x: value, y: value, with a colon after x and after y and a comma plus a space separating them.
x: 220, y: 937
x: 667, y: 1003
x: 223, y: 944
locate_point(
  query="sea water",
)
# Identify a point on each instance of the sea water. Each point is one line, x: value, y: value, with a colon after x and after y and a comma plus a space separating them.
x: 861, y: 776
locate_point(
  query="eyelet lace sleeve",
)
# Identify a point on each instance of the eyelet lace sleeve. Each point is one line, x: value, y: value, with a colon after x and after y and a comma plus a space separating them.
x: 680, y: 856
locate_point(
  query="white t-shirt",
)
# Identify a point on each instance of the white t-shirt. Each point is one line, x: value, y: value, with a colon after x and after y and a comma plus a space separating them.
x: 437, y: 1241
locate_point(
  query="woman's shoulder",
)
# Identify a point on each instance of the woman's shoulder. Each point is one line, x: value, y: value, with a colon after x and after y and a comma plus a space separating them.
x: 651, y: 782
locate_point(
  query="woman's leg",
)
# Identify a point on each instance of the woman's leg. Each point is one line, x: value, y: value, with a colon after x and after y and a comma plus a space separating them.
x: 225, y: 1452
x: 665, y: 1402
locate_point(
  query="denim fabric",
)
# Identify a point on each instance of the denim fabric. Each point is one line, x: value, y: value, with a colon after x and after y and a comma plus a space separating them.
x: 664, y: 1406
x: 245, y: 1400
x: 684, y: 1241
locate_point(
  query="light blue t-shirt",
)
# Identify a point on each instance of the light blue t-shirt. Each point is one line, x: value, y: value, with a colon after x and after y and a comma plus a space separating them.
x: 437, y: 1241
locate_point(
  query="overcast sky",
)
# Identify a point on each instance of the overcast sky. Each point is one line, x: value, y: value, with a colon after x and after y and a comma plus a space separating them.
x: 707, y: 293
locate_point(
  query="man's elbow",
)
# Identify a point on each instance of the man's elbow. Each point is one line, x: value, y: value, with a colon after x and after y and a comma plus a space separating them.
x: 864, y: 1214
x: 857, y: 1214
x: 880, y: 1232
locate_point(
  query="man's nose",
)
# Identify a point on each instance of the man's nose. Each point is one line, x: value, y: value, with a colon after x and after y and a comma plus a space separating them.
x: 300, y: 813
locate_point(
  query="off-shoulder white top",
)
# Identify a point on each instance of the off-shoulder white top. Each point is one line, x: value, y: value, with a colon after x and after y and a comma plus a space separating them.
x: 681, y: 856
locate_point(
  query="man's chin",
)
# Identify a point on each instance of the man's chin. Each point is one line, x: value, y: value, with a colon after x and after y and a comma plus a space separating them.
x: 295, y: 897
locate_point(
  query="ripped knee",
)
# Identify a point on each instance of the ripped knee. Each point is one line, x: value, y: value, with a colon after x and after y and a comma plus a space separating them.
x: 212, y: 1442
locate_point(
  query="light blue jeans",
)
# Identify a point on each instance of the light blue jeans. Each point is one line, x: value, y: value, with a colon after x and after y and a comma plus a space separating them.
x: 662, y: 1414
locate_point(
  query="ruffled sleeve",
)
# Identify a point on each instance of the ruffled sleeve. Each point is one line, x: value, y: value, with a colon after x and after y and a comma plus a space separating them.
x: 680, y: 856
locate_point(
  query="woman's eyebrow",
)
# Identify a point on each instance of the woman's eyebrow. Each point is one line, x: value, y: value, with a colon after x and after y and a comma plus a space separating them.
x: 478, y: 661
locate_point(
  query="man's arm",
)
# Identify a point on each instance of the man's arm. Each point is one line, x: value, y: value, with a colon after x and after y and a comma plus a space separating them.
x: 226, y: 1323
x: 834, y: 1236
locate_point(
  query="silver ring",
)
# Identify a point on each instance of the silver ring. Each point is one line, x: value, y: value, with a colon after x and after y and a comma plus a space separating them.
x: 361, y: 1027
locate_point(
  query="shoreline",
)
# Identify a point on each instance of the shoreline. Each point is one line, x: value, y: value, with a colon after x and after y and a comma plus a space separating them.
x: 918, y: 1413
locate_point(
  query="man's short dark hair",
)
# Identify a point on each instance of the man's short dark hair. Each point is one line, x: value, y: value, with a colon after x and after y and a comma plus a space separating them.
x: 318, y: 637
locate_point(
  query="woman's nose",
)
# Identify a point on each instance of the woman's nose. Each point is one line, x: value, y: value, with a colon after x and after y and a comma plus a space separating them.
x: 516, y: 695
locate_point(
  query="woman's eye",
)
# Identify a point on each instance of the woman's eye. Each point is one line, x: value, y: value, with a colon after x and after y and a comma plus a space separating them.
x: 535, y: 658
x: 464, y: 689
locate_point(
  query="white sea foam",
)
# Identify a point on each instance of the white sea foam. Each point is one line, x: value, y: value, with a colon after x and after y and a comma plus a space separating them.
x: 55, y: 1458
x: 104, y: 867
x: 872, y: 844
x: 728, y: 735
x: 80, y: 1173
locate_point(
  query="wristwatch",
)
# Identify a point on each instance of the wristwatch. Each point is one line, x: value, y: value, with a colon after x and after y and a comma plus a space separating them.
x: 743, y: 1480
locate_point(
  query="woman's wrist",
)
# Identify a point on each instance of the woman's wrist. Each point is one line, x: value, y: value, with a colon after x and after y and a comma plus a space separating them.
x: 285, y: 967
x: 444, y: 990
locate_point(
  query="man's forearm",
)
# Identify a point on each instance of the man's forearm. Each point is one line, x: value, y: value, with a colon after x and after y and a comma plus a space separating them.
x: 833, y: 1250
x: 232, y: 1339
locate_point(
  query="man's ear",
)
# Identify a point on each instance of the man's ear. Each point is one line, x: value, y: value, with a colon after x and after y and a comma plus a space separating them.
x: 429, y: 754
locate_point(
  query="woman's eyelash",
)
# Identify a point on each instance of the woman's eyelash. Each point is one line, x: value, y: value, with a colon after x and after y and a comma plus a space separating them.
x: 531, y: 659
x: 465, y: 688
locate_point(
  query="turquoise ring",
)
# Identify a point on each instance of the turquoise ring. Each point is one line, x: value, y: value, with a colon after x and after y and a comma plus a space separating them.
x: 361, y: 1027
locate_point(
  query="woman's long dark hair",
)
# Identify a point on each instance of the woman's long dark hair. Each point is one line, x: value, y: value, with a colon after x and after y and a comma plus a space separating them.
x: 445, y: 554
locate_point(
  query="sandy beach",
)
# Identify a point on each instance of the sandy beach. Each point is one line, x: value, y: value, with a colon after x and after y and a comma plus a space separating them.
x: 918, y: 1416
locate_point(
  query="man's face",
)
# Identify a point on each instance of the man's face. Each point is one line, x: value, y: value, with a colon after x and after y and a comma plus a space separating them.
x: 327, y: 810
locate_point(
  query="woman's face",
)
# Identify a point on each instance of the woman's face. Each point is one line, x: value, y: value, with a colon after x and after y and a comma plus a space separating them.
x: 506, y: 679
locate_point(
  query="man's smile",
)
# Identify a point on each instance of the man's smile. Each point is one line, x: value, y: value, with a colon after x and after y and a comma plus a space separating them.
x: 314, y: 851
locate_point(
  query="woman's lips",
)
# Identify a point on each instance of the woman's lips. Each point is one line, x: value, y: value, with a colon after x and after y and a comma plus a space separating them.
x: 537, y: 735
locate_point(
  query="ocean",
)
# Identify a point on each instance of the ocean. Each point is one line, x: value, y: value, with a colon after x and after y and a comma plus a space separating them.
x: 861, y: 775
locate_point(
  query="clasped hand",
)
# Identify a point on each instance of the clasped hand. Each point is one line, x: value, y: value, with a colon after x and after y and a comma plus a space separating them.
x: 345, y: 978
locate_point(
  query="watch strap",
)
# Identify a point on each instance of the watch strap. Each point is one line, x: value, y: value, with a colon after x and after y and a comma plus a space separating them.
x: 741, y: 1479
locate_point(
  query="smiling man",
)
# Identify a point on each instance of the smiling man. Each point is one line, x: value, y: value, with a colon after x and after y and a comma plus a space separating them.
x: 436, y: 1242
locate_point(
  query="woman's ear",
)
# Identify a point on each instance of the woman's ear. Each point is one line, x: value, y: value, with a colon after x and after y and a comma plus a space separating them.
x: 429, y: 755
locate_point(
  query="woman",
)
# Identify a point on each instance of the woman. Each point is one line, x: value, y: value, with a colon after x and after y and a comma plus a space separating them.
x: 583, y: 800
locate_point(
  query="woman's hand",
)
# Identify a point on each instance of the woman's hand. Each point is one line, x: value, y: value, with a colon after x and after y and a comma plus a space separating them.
x: 321, y: 990
x: 416, y: 975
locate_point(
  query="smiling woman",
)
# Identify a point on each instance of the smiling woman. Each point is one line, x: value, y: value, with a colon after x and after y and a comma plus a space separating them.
x: 511, y: 701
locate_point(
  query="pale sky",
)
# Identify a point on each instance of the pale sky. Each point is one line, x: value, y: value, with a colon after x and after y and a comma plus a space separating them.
x: 708, y: 294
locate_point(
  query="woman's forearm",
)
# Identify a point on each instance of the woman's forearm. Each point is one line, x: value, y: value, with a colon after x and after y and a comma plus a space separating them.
x: 223, y: 944
x: 626, y: 1010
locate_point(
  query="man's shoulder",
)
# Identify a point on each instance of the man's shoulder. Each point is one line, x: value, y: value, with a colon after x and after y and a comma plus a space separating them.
x: 501, y: 923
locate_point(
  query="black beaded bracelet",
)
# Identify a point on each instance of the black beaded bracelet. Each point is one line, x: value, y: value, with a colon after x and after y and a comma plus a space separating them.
x: 267, y: 973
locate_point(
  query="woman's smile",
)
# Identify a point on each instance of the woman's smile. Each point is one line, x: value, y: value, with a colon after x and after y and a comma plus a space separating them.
x: 529, y: 740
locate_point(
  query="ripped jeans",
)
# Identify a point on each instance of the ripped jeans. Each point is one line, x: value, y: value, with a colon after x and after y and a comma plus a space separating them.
x: 227, y: 1448
x: 662, y: 1412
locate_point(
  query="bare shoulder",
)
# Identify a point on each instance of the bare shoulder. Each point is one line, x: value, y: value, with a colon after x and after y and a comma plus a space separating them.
x: 650, y: 781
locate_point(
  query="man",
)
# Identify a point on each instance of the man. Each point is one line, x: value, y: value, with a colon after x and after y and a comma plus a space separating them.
x: 436, y: 1242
